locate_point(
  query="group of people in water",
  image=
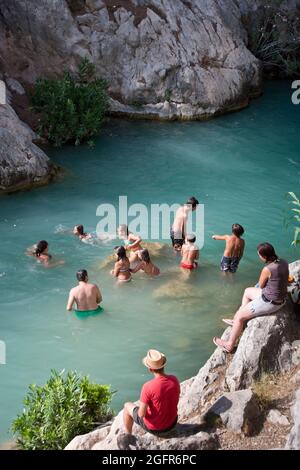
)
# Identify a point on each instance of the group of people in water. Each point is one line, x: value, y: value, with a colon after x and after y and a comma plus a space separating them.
x: 267, y: 297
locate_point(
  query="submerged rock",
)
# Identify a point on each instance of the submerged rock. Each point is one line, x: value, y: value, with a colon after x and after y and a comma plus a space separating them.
x: 22, y: 164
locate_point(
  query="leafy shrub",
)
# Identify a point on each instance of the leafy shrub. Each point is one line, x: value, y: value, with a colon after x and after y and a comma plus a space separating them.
x: 71, y: 108
x: 61, y: 409
x: 295, y: 216
x: 274, y: 38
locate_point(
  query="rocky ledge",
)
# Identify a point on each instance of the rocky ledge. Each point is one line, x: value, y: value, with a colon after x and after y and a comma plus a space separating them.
x: 22, y: 163
x: 223, y: 399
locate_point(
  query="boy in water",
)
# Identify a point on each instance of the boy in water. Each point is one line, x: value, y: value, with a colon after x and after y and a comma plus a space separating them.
x: 178, y: 229
x: 234, y: 249
x: 189, y: 253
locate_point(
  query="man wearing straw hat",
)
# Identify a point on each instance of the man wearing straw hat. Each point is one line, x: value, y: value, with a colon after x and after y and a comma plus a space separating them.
x: 157, y: 411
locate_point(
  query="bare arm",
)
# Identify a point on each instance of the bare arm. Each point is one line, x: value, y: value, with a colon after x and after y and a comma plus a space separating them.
x: 137, y: 268
x: 98, y: 295
x: 142, y: 410
x: 136, y: 239
x: 242, y: 250
x: 116, y: 270
x: 71, y: 300
x: 219, y: 237
x: 264, y: 277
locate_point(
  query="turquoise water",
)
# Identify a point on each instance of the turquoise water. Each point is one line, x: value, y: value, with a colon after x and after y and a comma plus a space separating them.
x: 240, y: 166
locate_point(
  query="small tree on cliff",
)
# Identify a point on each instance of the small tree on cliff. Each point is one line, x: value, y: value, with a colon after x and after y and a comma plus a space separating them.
x: 71, y: 109
x: 295, y: 217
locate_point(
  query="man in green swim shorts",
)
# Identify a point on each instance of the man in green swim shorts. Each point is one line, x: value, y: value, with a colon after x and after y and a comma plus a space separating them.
x: 86, y: 296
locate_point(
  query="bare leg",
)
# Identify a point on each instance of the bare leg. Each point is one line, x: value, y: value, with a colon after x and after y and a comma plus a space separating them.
x: 241, y: 316
x: 250, y: 294
x: 127, y: 417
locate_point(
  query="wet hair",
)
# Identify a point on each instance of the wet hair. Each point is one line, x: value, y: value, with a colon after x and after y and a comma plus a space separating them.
x: 237, y: 230
x: 40, y: 248
x: 192, y: 201
x: 191, y: 237
x: 267, y: 251
x: 120, y: 252
x: 145, y: 255
x: 82, y: 275
x: 79, y: 229
x: 124, y: 228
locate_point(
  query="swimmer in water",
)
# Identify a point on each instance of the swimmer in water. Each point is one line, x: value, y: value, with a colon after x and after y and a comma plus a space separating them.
x: 122, y: 266
x: 86, y: 296
x: 40, y: 251
x: 78, y: 230
x: 132, y: 244
x: 190, y: 253
x: 146, y: 264
x: 234, y: 249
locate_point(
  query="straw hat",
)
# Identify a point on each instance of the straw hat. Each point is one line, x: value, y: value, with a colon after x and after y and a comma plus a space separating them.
x: 154, y: 359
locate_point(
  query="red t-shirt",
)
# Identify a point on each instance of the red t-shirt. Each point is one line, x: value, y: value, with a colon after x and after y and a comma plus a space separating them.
x: 161, y: 394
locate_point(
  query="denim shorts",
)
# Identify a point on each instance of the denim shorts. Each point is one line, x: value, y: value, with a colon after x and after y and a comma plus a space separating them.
x: 260, y: 307
x: 140, y: 421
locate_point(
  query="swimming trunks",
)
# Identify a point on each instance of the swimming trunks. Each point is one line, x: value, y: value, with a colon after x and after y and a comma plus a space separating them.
x: 186, y: 266
x: 176, y: 241
x: 87, y: 313
x: 230, y: 264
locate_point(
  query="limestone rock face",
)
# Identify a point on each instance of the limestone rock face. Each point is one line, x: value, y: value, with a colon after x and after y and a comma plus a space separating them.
x: 161, y: 59
x: 22, y: 163
x: 238, y: 411
x: 293, y: 441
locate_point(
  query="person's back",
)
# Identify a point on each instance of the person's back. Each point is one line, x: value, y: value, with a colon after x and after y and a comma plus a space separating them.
x: 161, y: 394
x: 190, y: 253
x: 276, y: 287
x: 86, y: 296
x: 234, y: 247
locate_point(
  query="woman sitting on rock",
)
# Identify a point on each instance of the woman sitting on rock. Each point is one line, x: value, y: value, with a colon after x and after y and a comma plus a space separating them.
x: 265, y: 299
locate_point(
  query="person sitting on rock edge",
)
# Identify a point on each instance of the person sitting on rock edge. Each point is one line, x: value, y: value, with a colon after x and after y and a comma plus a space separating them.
x: 157, y: 410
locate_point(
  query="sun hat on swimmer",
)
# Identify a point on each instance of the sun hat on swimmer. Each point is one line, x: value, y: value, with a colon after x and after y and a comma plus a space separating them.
x: 154, y: 359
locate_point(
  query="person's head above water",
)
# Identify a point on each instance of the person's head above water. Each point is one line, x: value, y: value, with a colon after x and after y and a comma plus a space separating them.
x: 78, y: 230
x: 144, y: 255
x: 192, y: 203
x: 82, y: 275
x: 41, y: 248
x: 191, y: 237
x: 267, y: 252
x: 123, y: 231
x: 237, y: 230
x: 120, y: 252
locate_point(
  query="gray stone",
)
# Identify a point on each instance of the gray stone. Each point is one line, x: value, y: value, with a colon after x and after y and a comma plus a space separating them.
x: 275, y: 417
x: 22, y: 163
x: 15, y: 86
x: 238, y: 411
x: 293, y: 441
x: 87, y: 441
x: 296, y: 378
x: 256, y: 349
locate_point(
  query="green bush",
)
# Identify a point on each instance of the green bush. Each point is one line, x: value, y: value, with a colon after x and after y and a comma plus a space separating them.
x: 72, y: 108
x: 61, y: 409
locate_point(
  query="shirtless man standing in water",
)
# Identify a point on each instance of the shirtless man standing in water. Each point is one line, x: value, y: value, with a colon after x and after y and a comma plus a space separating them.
x: 178, y: 229
x: 234, y: 249
x: 86, y: 296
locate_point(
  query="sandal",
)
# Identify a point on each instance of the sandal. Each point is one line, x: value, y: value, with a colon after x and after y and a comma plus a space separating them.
x: 228, y: 321
x: 220, y: 343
